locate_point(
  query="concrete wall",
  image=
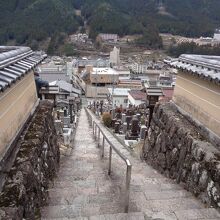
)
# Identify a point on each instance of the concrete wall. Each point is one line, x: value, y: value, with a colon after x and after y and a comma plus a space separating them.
x: 200, y: 99
x: 16, y: 104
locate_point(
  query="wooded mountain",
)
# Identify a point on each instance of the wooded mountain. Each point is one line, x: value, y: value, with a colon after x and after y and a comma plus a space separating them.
x: 34, y: 20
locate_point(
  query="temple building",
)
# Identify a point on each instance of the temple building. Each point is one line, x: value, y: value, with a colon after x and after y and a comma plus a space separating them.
x: 197, y: 90
x: 18, y: 95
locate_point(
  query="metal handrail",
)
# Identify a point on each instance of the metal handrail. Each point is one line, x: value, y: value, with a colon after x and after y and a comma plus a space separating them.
x: 126, y: 160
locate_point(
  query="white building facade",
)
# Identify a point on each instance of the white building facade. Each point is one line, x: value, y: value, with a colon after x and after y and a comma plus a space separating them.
x: 119, y: 97
x: 115, y: 56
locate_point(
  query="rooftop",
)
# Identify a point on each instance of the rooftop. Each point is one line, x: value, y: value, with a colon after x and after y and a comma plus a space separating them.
x: 154, y: 91
x: 65, y: 86
x: 119, y: 91
x: 15, y: 62
x: 138, y: 95
x: 204, y: 66
x: 104, y: 71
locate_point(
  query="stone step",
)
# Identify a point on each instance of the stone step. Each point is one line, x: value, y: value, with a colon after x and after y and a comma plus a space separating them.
x: 167, y: 194
x: 208, y: 213
x: 82, y: 197
x: 77, y: 210
x: 170, y: 205
x: 118, y: 216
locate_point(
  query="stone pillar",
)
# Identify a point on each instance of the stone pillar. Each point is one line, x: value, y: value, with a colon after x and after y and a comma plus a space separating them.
x: 65, y: 112
x: 123, y: 118
x: 128, y: 120
x: 134, y: 126
x: 143, y: 132
x: 66, y: 121
x: 124, y: 127
x: 113, y: 113
x: 117, y: 127
x: 62, y: 115
x: 113, y: 122
x: 58, y: 126
x: 138, y: 115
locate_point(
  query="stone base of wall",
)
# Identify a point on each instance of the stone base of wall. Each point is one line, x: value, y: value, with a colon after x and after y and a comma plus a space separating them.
x: 176, y: 148
x: 26, y: 185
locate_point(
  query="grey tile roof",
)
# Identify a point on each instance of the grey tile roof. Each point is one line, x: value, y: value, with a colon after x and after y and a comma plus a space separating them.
x: 204, y: 66
x: 16, y: 62
x: 63, y: 85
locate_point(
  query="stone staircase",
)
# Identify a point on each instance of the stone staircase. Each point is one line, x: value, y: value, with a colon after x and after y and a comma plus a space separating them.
x: 83, y: 189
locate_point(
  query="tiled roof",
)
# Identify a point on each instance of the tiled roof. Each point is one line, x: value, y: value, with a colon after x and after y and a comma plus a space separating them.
x: 154, y: 91
x: 204, y: 66
x: 138, y: 95
x: 65, y: 86
x: 15, y: 62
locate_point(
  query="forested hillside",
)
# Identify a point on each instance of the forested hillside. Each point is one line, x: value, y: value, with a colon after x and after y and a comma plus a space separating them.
x: 30, y: 21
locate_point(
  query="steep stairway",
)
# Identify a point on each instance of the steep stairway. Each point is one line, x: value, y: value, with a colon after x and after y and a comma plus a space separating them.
x: 83, y: 189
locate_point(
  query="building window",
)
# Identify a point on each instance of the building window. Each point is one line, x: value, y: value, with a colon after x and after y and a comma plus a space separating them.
x: 126, y: 101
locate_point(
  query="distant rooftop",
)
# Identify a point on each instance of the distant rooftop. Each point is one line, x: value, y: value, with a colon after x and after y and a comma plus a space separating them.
x: 94, y: 62
x: 202, y: 65
x: 104, y: 71
x: 138, y: 95
x: 15, y: 62
x: 119, y: 91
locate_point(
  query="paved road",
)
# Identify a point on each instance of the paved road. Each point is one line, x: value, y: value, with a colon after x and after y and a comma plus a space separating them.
x: 83, y: 188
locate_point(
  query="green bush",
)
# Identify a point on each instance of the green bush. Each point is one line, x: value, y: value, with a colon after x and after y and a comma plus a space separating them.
x: 107, y: 119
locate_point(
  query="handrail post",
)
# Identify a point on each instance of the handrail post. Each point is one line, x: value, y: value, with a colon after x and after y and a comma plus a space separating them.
x: 110, y: 160
x: 103, y: 146
x: 127, y: 189
x: 99, y: 130
x: 95, y: 130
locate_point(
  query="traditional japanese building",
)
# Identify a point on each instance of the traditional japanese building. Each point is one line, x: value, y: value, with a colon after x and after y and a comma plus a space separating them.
x: 197, y: 89
x: 18, y: 96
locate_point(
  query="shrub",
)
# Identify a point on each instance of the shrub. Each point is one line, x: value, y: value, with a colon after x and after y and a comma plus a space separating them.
x: 107, y: 119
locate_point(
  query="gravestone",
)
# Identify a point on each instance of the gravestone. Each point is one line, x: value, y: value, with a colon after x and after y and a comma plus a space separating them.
x: 124, y: 127
x: 117, y: 127
x: 65, y: 112
x: 134, y: 126
x: 66, y: 121
x: 118, y: 115
x: 113, y: 122
x: 128, y: 120
x: 143, y: 132
x: 134, y: 132
x: 61, y: 115
x: 58, y: 126
x: 123, y: 118
x: 138, y: 115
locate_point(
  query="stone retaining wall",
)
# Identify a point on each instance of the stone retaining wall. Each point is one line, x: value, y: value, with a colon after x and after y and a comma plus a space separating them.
x: 36, y: 163
x: 177, y: 149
